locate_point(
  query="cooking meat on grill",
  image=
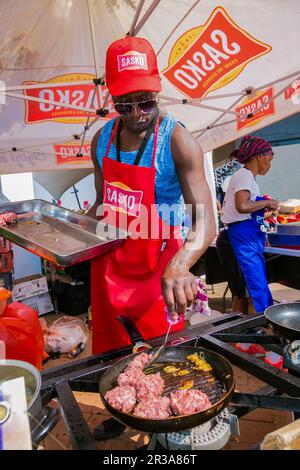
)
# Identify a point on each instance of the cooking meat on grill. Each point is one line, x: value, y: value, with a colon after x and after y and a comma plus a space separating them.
x: 153, y: 407
x: 131, y: 376
x: 133, y: 372
x: 141, y: 360
x: 122, y: 398
x: 149, y: 385
x: 185, y: 402
x: 7, y: 218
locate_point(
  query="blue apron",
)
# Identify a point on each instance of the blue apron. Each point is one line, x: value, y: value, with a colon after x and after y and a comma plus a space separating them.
x: 247, y: 239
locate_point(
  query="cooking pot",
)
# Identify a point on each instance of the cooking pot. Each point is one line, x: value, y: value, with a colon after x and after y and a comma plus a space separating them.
x: 42, y: 420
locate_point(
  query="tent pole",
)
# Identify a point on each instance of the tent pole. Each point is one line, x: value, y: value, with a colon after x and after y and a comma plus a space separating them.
x: 39, y: 85
x: 76, y: 195
x: 213, y: 125
x: 202, y: 131
x: 213, y: 108
x: 97, y: 66
x: 295, y: 74
x: 89, y: 126
x: 146, y: 16
x: 86, y: 126
x: 177, y: 25
x: 174, y: 101
x: 136, y: 17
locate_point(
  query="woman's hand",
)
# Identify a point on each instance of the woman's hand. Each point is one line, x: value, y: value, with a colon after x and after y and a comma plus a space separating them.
x: 179, y: 289
x: 272, y: 204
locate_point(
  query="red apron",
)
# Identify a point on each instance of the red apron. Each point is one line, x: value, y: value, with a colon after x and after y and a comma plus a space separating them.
x: 127, y: 281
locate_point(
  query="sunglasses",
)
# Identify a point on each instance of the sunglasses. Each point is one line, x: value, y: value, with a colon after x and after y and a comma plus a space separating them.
x: 146, y: 107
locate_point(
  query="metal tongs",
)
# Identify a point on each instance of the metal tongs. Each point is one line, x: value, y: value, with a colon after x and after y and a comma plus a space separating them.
x: 159, y: 351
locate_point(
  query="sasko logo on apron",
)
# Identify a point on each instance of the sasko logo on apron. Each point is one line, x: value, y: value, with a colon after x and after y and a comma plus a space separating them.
x: 121, y: 198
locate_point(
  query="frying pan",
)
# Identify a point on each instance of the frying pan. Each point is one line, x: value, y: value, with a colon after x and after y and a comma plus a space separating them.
x: 285, y: 319
x: 221, y: 369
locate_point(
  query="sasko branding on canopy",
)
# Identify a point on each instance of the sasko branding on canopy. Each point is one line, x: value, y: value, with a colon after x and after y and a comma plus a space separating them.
x: 261, y: 106
x: 66, y: 153
x: 210, y: 56
x: 77, y: 95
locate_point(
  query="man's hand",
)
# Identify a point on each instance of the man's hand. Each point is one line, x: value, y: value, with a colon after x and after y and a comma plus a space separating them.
x: 179, y: 289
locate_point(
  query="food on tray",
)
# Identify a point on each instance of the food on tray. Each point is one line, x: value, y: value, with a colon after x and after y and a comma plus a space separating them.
x: 199, y: 362
x: 7, y: 218
x: 291, y: 206
x: 153, y: 407
x: 185, y: 402
x: 122, y: 398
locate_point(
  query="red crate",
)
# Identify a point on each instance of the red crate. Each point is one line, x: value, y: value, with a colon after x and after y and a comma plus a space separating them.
x: 6, y: 262
x: 5, y: 245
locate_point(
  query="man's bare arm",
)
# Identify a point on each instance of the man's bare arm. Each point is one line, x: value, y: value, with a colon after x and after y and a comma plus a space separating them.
x: 98, y: 177
x: 178, y: 284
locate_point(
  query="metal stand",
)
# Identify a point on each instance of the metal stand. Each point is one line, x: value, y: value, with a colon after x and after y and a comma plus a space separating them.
x: 53, y: 295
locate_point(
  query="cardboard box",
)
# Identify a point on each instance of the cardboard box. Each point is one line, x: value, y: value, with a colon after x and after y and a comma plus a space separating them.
x: 28, y: 287
x: 41, y: 303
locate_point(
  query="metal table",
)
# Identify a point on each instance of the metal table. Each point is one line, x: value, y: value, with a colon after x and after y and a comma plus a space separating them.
x: 282, y: 251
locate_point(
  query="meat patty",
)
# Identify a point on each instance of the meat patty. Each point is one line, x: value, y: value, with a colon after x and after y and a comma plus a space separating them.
x: 149, y: 385
x: 7, y: 218
x: 185, y: 402
x: 153, y: 407
x: 130, y: 377
x: 133, y: 372
x: 122, y: 398
x: 141, y: 360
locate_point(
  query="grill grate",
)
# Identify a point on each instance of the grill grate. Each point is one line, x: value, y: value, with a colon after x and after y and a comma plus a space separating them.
x: 207, y: 382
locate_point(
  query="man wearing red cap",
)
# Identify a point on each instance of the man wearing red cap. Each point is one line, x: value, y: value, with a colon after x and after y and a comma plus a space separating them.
x: 145, y: 162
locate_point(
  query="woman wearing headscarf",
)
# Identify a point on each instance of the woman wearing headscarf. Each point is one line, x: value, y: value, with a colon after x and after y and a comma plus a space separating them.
x: 243, y: 216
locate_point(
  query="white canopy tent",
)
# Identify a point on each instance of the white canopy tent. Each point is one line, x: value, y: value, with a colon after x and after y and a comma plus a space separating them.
x: 57, y: 182
x: 228, y: 68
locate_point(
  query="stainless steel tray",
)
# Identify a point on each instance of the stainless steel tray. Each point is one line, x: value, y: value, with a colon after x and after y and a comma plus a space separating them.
x: 292, y: 228
x: 58, y: 234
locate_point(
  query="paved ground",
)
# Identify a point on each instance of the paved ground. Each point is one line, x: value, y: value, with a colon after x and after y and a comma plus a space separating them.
x: 253, y: 427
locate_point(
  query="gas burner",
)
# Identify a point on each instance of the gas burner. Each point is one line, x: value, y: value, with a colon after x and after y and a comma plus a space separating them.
x: 291, y: 355
x: 212, y: 435
x: 294, y: 351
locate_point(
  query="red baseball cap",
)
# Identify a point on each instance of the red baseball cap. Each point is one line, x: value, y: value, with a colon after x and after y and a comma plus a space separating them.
x: 131, y: 66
